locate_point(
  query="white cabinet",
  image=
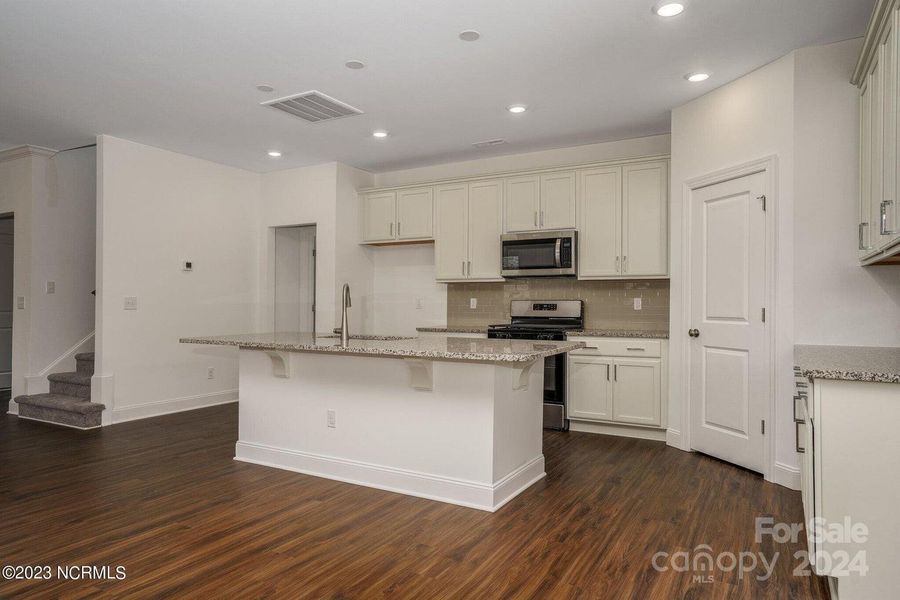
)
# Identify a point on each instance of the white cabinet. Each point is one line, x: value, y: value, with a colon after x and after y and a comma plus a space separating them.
x: 522, y: 203
x: 467, y: 231
x: 404, y: 215
x: 623, y: 221
x: 636, y: 384
x: 617, y: 381
x: 599, y: 223
x: 379, y: 215
x: 645, y: 223
x: 414, y: 214
x: 877, y: 77
x: 536, y: 202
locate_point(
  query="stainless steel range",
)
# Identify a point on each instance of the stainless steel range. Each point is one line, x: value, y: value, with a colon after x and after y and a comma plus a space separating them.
x: 545, y: 320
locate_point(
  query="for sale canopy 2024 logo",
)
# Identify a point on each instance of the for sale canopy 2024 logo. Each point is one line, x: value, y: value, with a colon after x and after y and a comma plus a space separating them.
x: 703, y: 563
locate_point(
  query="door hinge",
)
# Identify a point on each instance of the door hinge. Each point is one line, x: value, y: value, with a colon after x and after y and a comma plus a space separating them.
x: 762, y: 200
x: 763, y: 315
x: 314, y: 251
x: 314, y: 308
x: 762, y: 426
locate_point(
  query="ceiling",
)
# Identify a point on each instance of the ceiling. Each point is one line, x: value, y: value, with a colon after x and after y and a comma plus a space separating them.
x: 183, y: 75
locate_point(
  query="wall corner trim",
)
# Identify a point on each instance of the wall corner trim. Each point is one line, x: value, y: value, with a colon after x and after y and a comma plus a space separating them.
x: 24, y: 152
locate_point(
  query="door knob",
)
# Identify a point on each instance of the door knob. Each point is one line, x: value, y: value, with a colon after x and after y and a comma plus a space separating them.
x: 694, y: 332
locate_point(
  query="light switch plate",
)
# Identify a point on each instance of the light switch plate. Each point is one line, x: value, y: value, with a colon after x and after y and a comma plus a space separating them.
x: 20, y: 302
x: 130, y: 302
x: 332, y: 418
x: 50, y: 287
x: 637, y: 304
x: 473, y: 302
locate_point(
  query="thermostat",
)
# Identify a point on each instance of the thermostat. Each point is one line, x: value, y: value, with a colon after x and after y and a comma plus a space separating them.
x: 187, y: 265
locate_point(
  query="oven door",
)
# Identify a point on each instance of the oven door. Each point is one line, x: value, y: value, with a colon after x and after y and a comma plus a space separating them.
x: 539, y: 254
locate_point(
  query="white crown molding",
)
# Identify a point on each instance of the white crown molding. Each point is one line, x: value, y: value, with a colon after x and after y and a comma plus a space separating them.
x: 879, y: 21
x: 24, y: 152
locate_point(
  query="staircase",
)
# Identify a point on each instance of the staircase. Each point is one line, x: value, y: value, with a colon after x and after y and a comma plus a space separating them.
x: 69, y: 401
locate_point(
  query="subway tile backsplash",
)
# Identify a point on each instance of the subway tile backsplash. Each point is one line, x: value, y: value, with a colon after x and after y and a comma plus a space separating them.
x: 607, y: 304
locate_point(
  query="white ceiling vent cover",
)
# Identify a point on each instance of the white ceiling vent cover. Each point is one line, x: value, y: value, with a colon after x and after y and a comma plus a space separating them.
x: 314, y: 107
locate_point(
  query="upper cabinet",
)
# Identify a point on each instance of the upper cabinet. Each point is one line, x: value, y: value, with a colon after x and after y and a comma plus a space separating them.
x: 468, y: 219
x: 877, y: 78
x: 623, y: 221
x: 404, y: 215
x: 535, y: 202
x: 619, y: 209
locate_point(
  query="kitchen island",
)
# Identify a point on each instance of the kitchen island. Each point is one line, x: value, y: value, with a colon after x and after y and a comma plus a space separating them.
x: 452, y: 419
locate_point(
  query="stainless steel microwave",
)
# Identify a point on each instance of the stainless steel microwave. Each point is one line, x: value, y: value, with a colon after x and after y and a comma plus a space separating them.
x: 540, y: 253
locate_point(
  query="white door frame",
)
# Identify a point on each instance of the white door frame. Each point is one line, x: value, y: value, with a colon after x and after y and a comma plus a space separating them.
x: 768, y: 165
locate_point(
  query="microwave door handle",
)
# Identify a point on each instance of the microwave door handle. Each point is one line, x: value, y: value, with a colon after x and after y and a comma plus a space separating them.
x: 558, y: 259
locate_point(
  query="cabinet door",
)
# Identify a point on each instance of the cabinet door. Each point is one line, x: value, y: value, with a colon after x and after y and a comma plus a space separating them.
x: 645, y: 225
x: 557, y: 201
x: 485, y: 227
x: 865, y: 169
x: 414, y: 214
x: 637, y: 394
x: 599, y: 219
x: 522, y: 202
x: 876, y: 156
x: 380, y: 210
x: 590, y: 387
x: 451, y: 231
x: 888, y: 212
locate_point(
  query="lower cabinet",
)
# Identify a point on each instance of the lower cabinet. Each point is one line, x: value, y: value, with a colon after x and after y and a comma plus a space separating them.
x: 626, y: 390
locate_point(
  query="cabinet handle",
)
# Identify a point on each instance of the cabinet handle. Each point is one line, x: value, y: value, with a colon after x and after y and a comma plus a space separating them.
x: 797, y: 446
x: 637, y: 349
x: 392, y: 229
x: 607, y: 372
x: 542, y: 218
x: 617, y: 264
x: 884, y: 229
x: 464, y: 268
x: 535, y: 219
x: 615, y: 372
x: 861, y: 227
x: 398, y: 228
x: 469, y: 268
x: 624, y: 264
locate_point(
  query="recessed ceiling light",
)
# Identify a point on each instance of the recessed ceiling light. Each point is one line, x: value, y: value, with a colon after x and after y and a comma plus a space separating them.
x: 380, y: 134
x: 517, y: 108
x: 696, y: 77
x: 668, y: 9
x: 355, y: 64
x: 274, y: 153
x: 469, y: 35
x: 263, y: 87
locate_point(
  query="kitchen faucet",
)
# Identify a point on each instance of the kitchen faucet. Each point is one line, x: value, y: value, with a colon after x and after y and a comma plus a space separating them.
x: 345, y: 304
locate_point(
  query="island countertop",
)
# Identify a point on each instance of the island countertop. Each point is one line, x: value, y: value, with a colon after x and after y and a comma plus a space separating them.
x: 849, y: 363
x: 444, y: 347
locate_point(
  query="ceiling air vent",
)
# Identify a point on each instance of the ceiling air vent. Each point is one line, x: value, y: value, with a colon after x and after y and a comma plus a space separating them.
x: 313, y: 107
x: 489, y: 143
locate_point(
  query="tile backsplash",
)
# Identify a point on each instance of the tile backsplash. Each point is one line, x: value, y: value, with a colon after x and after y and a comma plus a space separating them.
x: 607, y: 304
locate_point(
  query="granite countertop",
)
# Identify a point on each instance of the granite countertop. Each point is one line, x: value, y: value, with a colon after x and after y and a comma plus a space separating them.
x: 849, y: 363
x: 431, y: 347
x: 612, y: 333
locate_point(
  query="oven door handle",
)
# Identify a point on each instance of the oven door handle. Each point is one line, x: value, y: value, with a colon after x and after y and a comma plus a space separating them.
x: 558, y: 248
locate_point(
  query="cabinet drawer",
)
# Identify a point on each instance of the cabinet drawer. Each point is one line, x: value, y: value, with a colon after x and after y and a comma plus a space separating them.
x: 619, y: 347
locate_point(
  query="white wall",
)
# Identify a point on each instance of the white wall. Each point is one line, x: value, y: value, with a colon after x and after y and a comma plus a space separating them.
x: 354, y: 263
x: 837, y: 301
x: 54, y: 201
x: 155, y: 209
x: 404, y: 280
x: 746, y: 120
x: 560, y: 157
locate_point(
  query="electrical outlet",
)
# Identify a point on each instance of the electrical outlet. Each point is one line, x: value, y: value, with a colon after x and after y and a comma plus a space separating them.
x: 50, y: 287
x: 473, y: 303
x: 332, y: 418
x: 420, y: 304
x: 211, y: 373
x: 637, y: 304
x: 130, y: 302
x: 20, y: 302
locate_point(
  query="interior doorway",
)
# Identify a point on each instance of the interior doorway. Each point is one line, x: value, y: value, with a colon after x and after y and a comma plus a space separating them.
x: 6, y: 305
x: 295, y: 278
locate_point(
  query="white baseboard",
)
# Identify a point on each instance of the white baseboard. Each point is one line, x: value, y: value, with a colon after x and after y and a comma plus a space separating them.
x: 174, y: 405
x: 13, y: 408
x: 444, y: 489
x: 643, y: 433
x: 674, y: 438
x: 786, y: 475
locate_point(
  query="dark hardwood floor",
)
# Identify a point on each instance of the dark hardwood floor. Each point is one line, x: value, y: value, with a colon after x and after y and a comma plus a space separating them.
x: 163, y: 498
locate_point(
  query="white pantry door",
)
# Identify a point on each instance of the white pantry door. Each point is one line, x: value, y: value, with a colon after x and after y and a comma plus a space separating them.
x: 729, y: 353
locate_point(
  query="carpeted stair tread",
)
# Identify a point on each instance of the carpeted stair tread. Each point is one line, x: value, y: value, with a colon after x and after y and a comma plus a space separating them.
x: 74, y: 378
x: 61, y: 402
x: 85, y: 356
